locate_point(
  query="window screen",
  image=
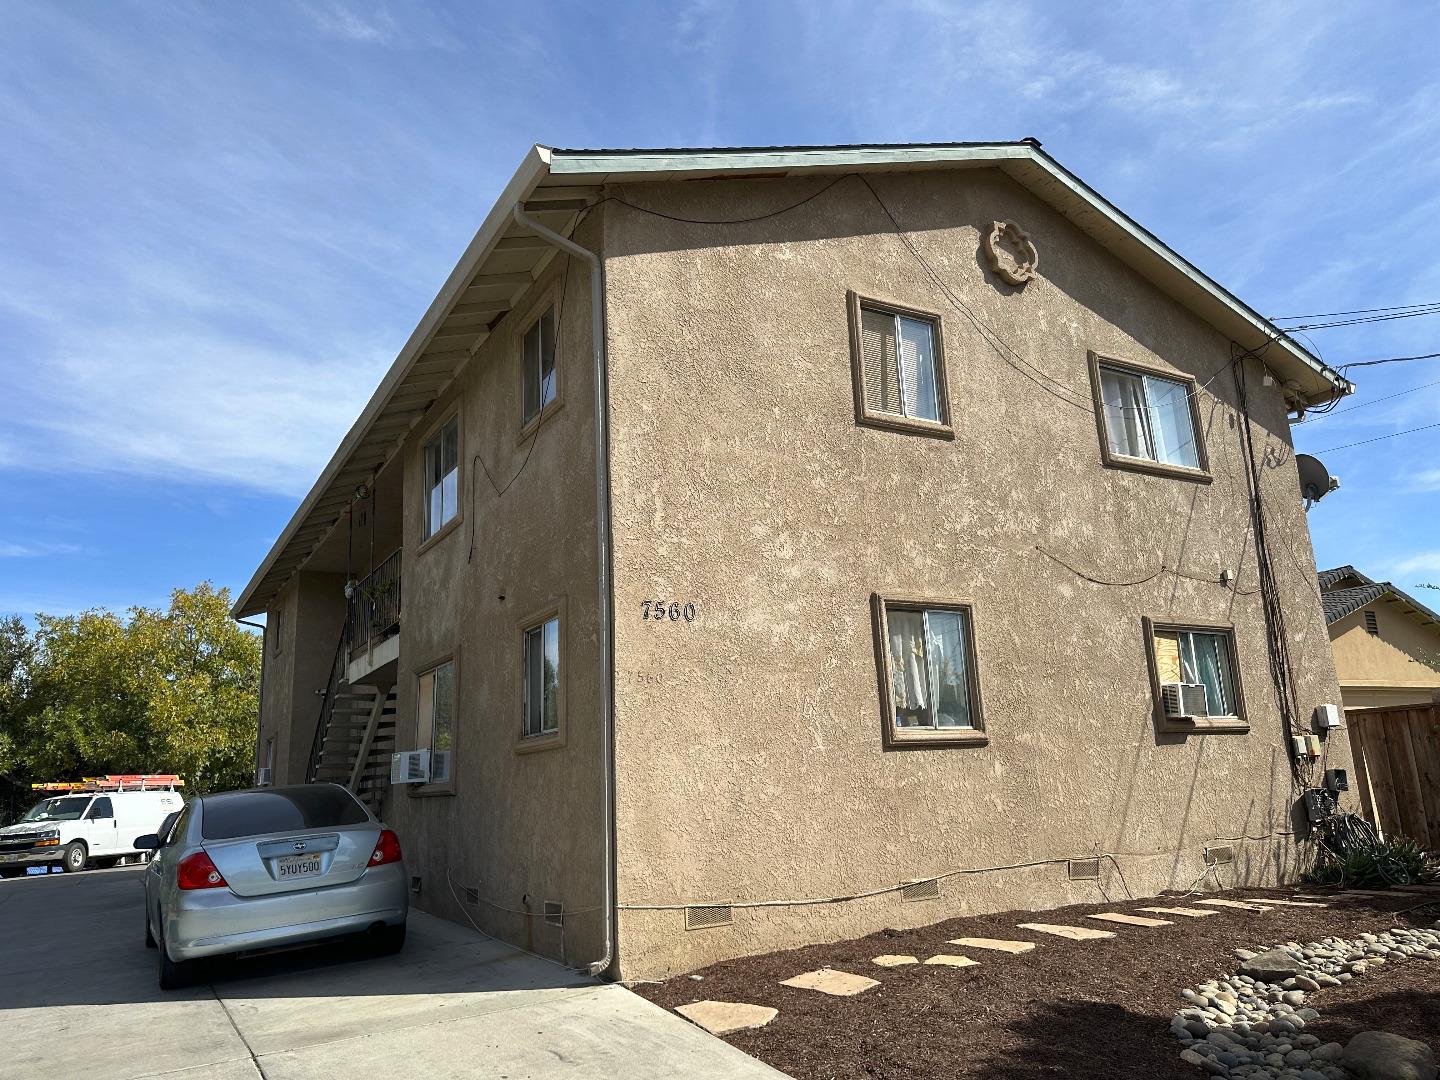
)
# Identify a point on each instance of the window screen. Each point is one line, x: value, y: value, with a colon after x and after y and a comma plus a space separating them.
x: 542, y: 678
x: 538, y: 359
x: 898, y: 365
x: 276, y: 810
x: 436, y: 701
x: 1148, y: 417
x: 442, y: 476
x: 930, y: 668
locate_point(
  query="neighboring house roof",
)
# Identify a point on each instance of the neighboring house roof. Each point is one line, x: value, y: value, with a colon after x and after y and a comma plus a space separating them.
x: 1340, y: 602
x: 556, y: 186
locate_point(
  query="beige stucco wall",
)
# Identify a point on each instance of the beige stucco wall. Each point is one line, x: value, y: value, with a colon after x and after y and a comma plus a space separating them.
x: 520, y: 828
x: 1400, y: 666
x: 748, y: 743
x: 310, y: 610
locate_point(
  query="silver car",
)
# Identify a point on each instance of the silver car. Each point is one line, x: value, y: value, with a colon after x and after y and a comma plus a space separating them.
x: 245, y: 870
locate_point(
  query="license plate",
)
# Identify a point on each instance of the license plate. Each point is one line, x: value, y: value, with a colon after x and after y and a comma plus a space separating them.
x: 288, y: 867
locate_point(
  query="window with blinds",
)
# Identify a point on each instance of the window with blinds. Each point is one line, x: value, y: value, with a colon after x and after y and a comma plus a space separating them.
x: 898, y: 365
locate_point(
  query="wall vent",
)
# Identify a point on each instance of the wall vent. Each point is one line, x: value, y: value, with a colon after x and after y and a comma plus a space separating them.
x: 1372, y: 624
x: 704, y: 916
x: 1220, y: 856
x: 554, y: 914
x: 472, y: 895
x: 1083, y: 869
x: 928, y: 889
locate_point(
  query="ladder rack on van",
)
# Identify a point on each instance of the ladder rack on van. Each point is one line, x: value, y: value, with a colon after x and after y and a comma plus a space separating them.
x: 112, y: 782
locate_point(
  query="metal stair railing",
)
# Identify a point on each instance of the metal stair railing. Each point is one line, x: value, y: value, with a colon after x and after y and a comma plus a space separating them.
x: 327, y: 703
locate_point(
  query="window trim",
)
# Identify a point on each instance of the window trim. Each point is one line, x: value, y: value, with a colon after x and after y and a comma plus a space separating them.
x: 446, y: 787
x: 451, y: 413
x: 895, y: 738
x: 528, y: 744
x: 1238, y: 724
x: 548, y: 299
x: 864, y: 415
x: 1112, y: 460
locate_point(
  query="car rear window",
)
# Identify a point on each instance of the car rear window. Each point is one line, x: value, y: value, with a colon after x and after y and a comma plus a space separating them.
x: 250, y: 813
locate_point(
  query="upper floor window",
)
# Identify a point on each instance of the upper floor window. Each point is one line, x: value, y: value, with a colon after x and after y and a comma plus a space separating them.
x: 1147, y: 418
x: 899, y: 367
x: 442, y: 476
x: 542, y: 678
x: 538, y: 362
x: 929, y: 684
x: 435, y: 709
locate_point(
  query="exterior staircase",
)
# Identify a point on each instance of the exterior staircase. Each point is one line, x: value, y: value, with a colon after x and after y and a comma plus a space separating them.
x: 355, y: 746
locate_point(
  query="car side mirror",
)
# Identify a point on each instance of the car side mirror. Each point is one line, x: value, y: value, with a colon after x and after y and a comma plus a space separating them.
x: 148, y: 842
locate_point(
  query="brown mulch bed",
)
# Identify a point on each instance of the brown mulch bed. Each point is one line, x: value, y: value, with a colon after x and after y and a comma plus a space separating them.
x: 1085, y: 1009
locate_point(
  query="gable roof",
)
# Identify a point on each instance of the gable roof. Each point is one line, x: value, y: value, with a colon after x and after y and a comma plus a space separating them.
x: 556, y: 186
x: 1340, y: 602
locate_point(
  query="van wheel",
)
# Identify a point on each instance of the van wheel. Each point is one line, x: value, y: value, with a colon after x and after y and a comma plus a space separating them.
x: 173, y: 975
x: 74, y: 857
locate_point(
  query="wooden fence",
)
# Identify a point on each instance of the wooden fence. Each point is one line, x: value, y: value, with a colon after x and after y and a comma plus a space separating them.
x: 1397, y: 759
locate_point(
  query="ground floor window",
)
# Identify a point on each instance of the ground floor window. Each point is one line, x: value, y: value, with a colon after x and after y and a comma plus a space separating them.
x: 542, y: 678
x: 929, y: 684
x: 436, y: 711
x: 1195, y: 676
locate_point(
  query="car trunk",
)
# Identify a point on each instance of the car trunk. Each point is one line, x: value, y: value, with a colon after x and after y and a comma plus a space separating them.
x: 295, y: 860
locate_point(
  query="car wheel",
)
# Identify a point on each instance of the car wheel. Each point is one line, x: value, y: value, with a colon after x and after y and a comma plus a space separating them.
x: 173, y: 975
x: 12, y: 872
x: 389, y: 940
x: 74, y: 858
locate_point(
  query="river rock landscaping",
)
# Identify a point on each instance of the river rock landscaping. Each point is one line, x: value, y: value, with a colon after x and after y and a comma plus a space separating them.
x: 1252, y: 1025
x: 1067, y: 1005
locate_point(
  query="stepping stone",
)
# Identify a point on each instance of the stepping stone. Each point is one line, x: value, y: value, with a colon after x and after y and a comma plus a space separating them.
x: 1072, y: 933
x: 953, y: 961
x: 1293, y: 903
x: 1238, y: 905
x: 723, y: 1017
x: 1129, y: 920
x: 1418, y: 888
x: 889, y: 960
x: 994, y: 944
x: 831, y: 981
x: 1188, y: 912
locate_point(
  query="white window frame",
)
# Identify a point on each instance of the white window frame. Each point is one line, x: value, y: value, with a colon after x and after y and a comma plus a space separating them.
x: 436, y: 443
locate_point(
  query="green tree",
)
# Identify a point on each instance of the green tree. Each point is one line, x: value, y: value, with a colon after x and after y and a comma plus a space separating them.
x: 154, y: 691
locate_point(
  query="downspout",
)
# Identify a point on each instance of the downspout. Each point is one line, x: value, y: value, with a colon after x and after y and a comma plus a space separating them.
x: 605, y: 635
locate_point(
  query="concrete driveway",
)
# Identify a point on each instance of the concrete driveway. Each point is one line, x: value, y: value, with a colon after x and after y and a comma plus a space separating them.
x: 78, y: 997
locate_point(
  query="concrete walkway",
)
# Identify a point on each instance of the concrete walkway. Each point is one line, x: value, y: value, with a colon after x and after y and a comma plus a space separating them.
x: 78, y: 997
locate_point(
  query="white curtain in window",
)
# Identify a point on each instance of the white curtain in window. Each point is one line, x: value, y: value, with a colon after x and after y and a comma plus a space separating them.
x: 949, y: 679
x: 1170, y: 422
x: 1125, y: 421
x: 907, y: 668
x: 917, y: 368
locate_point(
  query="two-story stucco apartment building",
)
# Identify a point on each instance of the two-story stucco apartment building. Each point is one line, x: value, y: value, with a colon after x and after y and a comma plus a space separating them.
x: 773, y: 545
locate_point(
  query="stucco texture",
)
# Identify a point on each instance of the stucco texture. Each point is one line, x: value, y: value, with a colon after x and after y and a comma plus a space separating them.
x: 1398, y: 666
x: 749, y: 753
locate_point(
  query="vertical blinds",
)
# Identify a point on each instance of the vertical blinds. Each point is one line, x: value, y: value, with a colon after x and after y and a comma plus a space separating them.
x: 880, y: 359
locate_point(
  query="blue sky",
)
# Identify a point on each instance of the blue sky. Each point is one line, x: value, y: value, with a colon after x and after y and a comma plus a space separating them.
x: 219, y: 222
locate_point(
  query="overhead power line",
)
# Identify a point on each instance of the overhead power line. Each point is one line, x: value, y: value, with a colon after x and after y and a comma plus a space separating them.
x: 1380, y: 438
x: 1356, y: 311
x: 1372, y: 401
x: 1390, y: 360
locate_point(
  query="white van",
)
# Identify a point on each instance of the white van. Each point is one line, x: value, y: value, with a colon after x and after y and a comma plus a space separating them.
x: 79, y: 829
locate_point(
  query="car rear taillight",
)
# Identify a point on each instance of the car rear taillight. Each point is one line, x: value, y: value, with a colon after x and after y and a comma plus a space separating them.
x: 198, y: 872
x: 387, y: 849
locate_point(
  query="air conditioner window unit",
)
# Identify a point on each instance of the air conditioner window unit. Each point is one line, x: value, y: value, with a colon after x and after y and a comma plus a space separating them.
x: 1184, y: 699
x: 263, y: 778
x: 410, y: 767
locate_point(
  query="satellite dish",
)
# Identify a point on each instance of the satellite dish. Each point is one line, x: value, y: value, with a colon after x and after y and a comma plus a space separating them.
x: 1315, y: 480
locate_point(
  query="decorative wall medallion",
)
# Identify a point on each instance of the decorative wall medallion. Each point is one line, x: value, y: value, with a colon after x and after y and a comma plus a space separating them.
x: 1010, y: 252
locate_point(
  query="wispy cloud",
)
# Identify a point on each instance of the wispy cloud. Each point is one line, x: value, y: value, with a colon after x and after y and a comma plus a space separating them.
x: 341, y: 21
x: 1425, y: 562
x: 10, y: 549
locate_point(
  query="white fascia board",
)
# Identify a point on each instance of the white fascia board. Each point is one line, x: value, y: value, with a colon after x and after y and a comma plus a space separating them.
x: 532, y: 169
x: 1026, y: 162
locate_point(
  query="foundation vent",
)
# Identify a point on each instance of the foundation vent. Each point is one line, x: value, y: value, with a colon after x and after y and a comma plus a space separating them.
x: 554, y: 914
x: 1083, y: 869
x: 472, y: 895
x: 928, y: 889
x: 704, y: 916
x: 1220, y: 856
